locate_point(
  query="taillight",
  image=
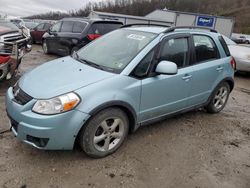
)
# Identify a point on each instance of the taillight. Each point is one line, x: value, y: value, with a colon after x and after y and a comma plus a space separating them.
x: 233, y: 63
x: 93, y: 36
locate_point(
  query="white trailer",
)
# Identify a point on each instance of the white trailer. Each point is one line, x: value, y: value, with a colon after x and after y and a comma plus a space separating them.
x: 172, y: 18
x: 222, y: 24
x: 128, y: 19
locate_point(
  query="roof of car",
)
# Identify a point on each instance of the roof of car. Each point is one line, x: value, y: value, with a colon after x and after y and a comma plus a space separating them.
x: 89, y: 20
x: 158, y: 29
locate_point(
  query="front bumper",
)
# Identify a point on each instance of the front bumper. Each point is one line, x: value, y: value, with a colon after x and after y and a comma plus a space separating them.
x: 56, y: 132
x: 4, y: 69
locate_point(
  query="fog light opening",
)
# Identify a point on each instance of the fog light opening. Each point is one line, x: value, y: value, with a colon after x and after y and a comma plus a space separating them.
x: 39, y: 142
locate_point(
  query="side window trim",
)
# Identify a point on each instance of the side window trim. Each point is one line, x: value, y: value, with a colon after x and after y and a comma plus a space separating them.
x: 224, y: 46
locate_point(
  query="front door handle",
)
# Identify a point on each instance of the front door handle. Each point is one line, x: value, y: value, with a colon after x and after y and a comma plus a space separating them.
x: 187, y: 77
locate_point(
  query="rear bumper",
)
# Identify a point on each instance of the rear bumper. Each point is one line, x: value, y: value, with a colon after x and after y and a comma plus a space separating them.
x: 54, y: 132
x: 243, y: 65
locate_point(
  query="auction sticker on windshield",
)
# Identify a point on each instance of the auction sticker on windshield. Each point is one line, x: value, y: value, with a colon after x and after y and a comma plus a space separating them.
x: 136, y: 37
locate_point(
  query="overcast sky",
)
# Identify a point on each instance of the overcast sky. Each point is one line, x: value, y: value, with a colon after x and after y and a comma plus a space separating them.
x: 22, y: 8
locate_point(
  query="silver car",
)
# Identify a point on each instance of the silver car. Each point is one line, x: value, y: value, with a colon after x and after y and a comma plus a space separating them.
x: 241, y: 55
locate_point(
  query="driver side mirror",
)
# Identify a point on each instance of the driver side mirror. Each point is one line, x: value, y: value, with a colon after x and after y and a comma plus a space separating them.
x: 49, y: 30
x: 52, y: 32
x: 166, y: 67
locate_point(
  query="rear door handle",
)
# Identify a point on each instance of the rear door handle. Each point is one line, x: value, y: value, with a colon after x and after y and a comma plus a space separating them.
x: 219, y: 69
x: 187, y: 77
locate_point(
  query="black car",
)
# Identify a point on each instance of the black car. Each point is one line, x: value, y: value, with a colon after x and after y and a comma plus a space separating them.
x: 71, y: 34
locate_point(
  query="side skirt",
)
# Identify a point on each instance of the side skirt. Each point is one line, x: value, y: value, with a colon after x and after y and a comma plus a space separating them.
x: 164, y: 117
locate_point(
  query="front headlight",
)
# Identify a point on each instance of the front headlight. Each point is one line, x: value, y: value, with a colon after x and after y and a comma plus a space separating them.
x: 56, y: 105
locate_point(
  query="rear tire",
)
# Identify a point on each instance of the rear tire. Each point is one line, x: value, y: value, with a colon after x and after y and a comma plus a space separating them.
x: 104, y: 133
x: 219, y: 98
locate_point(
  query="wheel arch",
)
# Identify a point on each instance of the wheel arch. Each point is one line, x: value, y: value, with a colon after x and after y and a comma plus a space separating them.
x: 228, y: 80
x: 127, y: 108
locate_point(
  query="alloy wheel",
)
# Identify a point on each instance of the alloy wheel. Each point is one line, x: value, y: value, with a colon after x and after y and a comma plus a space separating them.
x: 109, y: 134
x: 220, y: 97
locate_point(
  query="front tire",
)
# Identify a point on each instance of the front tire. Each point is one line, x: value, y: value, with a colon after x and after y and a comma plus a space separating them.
x: 219, y: 98
x: 45, y: 47
x: 104, y: 133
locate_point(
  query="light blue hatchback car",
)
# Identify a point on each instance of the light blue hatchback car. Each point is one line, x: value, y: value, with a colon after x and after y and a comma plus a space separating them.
x: 130, y: 77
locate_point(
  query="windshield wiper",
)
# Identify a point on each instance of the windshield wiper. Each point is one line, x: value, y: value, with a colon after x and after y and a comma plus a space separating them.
x: 75, y: 56
x: 91, y: 63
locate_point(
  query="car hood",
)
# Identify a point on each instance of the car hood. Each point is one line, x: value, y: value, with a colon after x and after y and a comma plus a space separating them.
x: 238, y: 51
x: 60, y: 76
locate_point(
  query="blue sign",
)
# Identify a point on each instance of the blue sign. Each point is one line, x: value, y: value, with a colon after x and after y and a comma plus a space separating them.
x: 205, y: 21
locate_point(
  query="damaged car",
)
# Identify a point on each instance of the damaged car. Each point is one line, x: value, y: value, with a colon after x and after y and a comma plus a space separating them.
x: 14, y: 44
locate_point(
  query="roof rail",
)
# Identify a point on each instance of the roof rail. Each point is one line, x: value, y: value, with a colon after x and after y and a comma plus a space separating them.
x: 171, y: 29
x: 145, y: 24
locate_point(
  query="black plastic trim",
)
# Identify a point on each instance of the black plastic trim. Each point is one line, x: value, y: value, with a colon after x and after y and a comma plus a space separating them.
x: 128, y: 107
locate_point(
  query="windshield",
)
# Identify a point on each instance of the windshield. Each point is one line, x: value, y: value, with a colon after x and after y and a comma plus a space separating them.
x: 228, y: 41
x: 31, y: 25
x: 115, y: 50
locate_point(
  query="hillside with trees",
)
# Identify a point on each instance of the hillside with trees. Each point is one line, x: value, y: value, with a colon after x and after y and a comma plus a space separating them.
x: 239, y: 9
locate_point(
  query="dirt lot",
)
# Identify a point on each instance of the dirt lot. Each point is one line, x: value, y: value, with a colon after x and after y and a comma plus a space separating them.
x: 196, y: 150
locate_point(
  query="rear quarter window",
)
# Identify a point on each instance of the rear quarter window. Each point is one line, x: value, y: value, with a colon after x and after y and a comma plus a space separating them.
x: 79, y: 27
x: 224, y: 46
x: 103, y: 28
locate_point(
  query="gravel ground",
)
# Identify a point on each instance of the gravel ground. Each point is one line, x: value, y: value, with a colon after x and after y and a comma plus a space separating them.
x: 196, y: 150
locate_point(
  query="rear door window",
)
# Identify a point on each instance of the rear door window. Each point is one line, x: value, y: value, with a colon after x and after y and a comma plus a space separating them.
x: 205, y: 48
x: 79, y: 27
x: 103, y: 28
x: 67, y: 26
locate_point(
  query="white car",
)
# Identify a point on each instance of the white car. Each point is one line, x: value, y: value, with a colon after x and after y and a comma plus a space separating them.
x: 241, y: 55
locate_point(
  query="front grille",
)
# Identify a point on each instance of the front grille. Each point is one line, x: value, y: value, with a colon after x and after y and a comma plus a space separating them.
x: 20, y: 96
x: 11, y: 38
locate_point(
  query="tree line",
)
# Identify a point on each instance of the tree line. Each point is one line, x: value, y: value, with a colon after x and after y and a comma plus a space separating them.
x: 239, y: 9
